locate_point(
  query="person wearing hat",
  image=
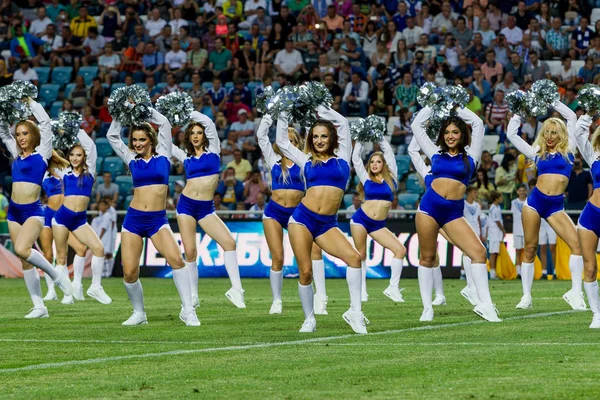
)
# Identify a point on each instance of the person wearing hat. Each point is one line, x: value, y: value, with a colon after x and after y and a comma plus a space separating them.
x: 234, y: 107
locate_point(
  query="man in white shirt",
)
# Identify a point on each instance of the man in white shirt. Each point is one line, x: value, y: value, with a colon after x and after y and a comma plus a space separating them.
x: 412, y: 33
x: 38, y: 27
x: 251, y: 6
x: 94, y: 43
x: 176, y: 60
x: 444, y: 21
x: 105, y: 226
x: 25, y: 73
x: 289, y: 60
x: 243, y: 127
x: 356, y: 95
x: 429, y: 51
x: 177, y: 22
x: 155, y: 24
x: 351, y: 209
x: 53, y: 43
x: 108, y: 64
x: 513, y: 34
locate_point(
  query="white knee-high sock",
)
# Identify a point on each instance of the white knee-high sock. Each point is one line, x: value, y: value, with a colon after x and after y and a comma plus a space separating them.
x: 576, y: 267
x: 276, y: 278
x: 527, y: 272
x: 78, y: 267
x: 354, y: 279
x: 438, y: 284
x: 136, y: 295
x: 38, y: 260
x: 306, y: 298
x: 97, y: 265
x: 49, y: 281
x: 233, y: 270
x: 363, y: 270
x: 426, y: 285
x: 591, y: 291
x: 32, y: 281
x: 396, y: 272
x: 480, y: 278
x: 192, y: 269
x: 468, y: 274
x: 318, y: 267
x: 181, y: 277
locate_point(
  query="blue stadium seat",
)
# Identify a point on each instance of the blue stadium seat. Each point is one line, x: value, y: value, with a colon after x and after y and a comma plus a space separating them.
x: 408, y: 200
x: 172, y: 179
x: 186, y: 85
x: 414, y: 184
x: 7, y: 184
x: 43, y: 74
x: 403, y: 166
x: 228, y: 86
x: 161, y: 86
x: 68, y: 89
x: 126, y: 140
x: 116, y: 85
x: 207, y: 85
x: 103, y: 147
x: 88, y: 74
x: 48, y: 93
x: 125, y: 183
x: 99, y: 162
x: 348, y: 201
x: 55, y: 109
x: 275, y: 86
x: 114, y: 165
x: 403, y: 157
x: 127, y: 202
x: 62, y: 75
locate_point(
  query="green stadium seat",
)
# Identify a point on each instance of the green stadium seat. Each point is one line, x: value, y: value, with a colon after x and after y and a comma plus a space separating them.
x: 114, y: 165
x: 125, y: 183
x: 48, y: 93
x: 103, y: 147
x: 186, y: 85
x: 68, y: 89
x: 127, y: 201
x: 55, y: 109
x: 99, y: 162
x: 88, y: 73
x: 408, y: 200
x: 61, y: 75
x: 43, y: 74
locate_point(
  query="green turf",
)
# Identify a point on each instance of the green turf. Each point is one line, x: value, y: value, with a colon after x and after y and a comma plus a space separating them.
x: 552, y: 356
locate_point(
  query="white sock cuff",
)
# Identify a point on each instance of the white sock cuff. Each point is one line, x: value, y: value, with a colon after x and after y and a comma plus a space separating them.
x: 191, y: 264
x: 275, y: 272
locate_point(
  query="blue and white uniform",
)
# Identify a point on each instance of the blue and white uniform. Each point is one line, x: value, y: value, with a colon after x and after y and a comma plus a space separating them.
x: 77, y: 185
x: 52, y: 186
x: 154, y: 171
x: 206, y: 164
x: 31, y: 168
x: 374, y: 190
x: 332, y: 172
x: 590, y: 217
x: 293, y: 180
x: 549, y: 163
x: 444, y: 165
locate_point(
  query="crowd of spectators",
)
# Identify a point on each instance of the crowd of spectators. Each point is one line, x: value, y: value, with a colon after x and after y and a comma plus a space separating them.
x: 372, y: 56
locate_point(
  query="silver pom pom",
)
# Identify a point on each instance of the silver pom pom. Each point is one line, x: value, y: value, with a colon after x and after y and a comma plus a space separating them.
x: 518, y: 103
x: 176, y: 107
x: 65, y: 130
x: 457, y: 94
x: 12, y: 108
x: 376, y: 127
x: 443, y: 103
x: 428, y: 94
x: 589, y: 98
x: 130, y: 105
x: 546, y: 90
x: 24, y: 89
x: 316, y: 94
x: 264, y: 99
x: 357, y: 129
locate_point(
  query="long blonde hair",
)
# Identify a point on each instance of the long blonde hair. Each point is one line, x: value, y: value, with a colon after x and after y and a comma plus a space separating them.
x: 56, y: 161
x: 285, y: 173
x: 387, y: 175
x: 562, y: 146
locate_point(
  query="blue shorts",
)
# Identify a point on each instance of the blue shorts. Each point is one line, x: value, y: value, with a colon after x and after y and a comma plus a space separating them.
x: 317, y: 224
x: 441, y: 209
x: 278, y: 213
x: 145, y: 223
x: 49, y: 214
x: 69, y: 219
x: 198, y: 209
x: 371, y: 225
x: 590, y: 219
x: 545, y: 205
x: 20, y: 213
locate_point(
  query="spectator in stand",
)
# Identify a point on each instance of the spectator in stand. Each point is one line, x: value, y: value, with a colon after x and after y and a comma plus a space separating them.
x: 537, y: 34
x: 25, y: 73
x: 492, y: 70
x: 557, y: 42
x: 506, y: 179
x: 594, y: 51
x: 289, y: 61
x: 241, y: 166
x: 253, y: 187
x: 335, y: 90
x: 488, y: 36
x: 94, y: 46
x: 355, y: 96
x: 310, y: 57
x: 25, y: 46
x: 96, y: 95
x: 110, y: 19
x: 132, y: 63
x: 380, y: 99
x: 120, y: 43
x: 259, y: 205
x: 6, y: 78
x: 412, y: 33
x: 155, y: 24
x: 233, y: 10
x: 507, y: 85
x: 218, y: 200
x: 406, y: 94
x: 243, y: 127
x: 79, y: 94
x: 451, y: 50
x: 165, y: 40
x: 108, y: 65
x: 567, y: 76
x: 89, y: 122
x: 536, y: 69
x: 581, y: 39
x: 522, y: 16
x: 418, y: 68
x: 502, y: 50
x: 218, y: 93
x: 464, y: 70
x: 230, y: 189
x: 402, y: 133
x: 474, y: 103
x: 589, y: 71
x: 139, y: 35
x: 462, y: 34
x: 234, y: 107
x: 401, y: 55
x: 176, y: 61
x: 220, y: 61
x: 106, y: 189
x: 53, y: 9
x: 172, y: 85
x: 513, y: 34
x: 496, y: 17
x: 81, y: 24
x: 351, y: 209
x: 260, y: 23
x: 358, y: 20
x: 517, y: 68
x: 496, y: 116
x: 332, y: 20
x: 356, y: 57
x: 177, y: 21
x: 246, y: 97
x: 429, y: 51
x: 526, y: 47
x: 580, y: 186
x: 52, y: 42
x: 38, y: 26
x: 153, y: 62
x: 481, y: 87
x: 443, y: 22
x: 244, y: 62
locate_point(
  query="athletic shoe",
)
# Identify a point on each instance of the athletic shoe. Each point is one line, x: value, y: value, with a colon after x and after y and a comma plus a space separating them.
x: 394, y: 294
x: 137, y: 318
x: 364, y: 296
x: 487, y: 311
x: 67, y: 300
x: 493, y: 276
x: 320, y: 304
x: 98, y: 293
x: 309, y: 326
x: 189, y: 317
x: 41, y: 312
x: 78, y: 293
x: 236, y: 296
x: 195, y: 302
x: 575, y: 300
x: 63, y: 282
x: 525, y: 303
x: 276, y: 307
x: 356, y: 320
x: 439, y: 301
x: 427, y: 315
x: 595, y: 322
x: 471, y: 295
x: 51, y: 295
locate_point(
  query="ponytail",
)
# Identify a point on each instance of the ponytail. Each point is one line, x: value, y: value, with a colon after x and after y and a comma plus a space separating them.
x: 57, y: 162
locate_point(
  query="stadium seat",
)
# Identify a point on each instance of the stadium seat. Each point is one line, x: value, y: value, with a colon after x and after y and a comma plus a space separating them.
x: 88, y: 74
x: 186, y: 85
x: 99, y: 162
x: 348, y: 200
x: 408, y: 200
x: 498, y: 158
x: 207, y: 85
x: 595, y: 16
x: 127, y: 201
x: 55, y: 109
x: 43, y: 74
x: 161, y: 86
x: 48, y: 93
x: 103, y: 147
x: 172, y: 179
x: 403, y: 157
x: 7, y: 184
x: 116, y: 85
x: 62, y: 75
x: 228, y: 86
x: 414, y: 184
x: 68, y: 89
x: 403, y: 166
x: 490, y: 143
x: 125, y: 183
x: 114, y: 165
x: 275, y: 86
x: 143, y: 84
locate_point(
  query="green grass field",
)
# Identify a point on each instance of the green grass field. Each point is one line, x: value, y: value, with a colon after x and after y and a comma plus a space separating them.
x: 82, y: 351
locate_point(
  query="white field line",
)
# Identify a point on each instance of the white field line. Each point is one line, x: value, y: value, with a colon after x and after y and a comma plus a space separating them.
x: 263, y: 345
x: 425, y: 344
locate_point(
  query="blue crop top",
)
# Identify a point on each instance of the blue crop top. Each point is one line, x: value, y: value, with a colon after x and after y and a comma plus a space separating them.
x: 295, y: 181
x: 555, y: 164
x: 378, y: 191
x: 29, y: 169
x: 52, y: 186
x: 595, y: 170
x: 76, y: 185
x: 443, y: 165
x: 428, y: 179
x: 333, y: 172
x: 205, y: 165
x: 155, y: 171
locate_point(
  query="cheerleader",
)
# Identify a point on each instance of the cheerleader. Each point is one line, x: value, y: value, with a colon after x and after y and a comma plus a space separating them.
x: 287, y: 189
x: 376, y: 189
x: 148, y: 158
x: 326, y: 171
x: 588, y: 227
x: 78, y: 182
x: 453, y: 160
x: 552, y: 153
x: 31, y: 149
x: 202, y: 163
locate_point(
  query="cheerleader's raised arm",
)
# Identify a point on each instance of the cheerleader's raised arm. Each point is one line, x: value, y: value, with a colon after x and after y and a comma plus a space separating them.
x: 390, y: 158
x: 116, y: 142
x: 8, y: 139
x: 297, y: 156
x: 266, y: 148
x: 165, y: 137
x: 357, y: 162
x: 40, y: 114
x: 512, y: 132
x: 90, y: 150
x: 571, y: 121
x: 582, y: 132
x: 426, y: 144
x: 477, y: 132
x: 415, y: 156
x: 344, y: 150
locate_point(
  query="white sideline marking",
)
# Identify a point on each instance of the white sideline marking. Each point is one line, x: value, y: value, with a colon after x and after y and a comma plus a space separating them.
x: 99, y: 341
x: 265, y: 345
x: 425, y: 344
